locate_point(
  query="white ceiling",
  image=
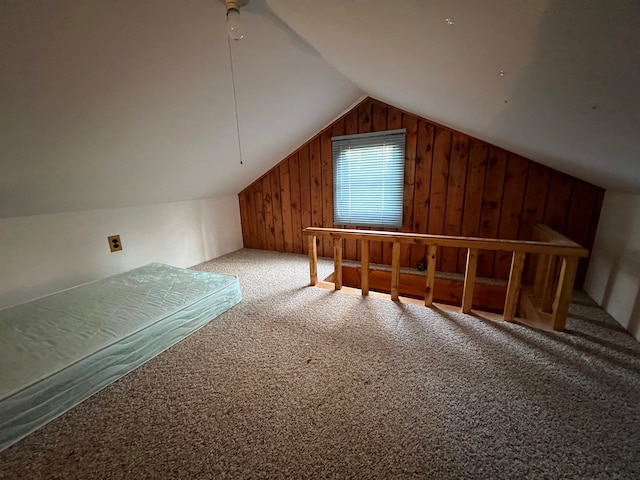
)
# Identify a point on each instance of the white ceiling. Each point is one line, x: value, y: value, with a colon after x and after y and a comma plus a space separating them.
x: 570, y: 94
x: 118, y: 103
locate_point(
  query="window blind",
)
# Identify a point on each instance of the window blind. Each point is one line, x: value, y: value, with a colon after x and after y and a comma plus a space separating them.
x: 368, y: 179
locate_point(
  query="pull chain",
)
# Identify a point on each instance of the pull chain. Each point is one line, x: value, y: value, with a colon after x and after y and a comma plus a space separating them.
x: 235, y: 101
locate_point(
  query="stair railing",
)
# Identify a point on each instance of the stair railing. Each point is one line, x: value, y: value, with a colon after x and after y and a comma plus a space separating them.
x: 557, y: 262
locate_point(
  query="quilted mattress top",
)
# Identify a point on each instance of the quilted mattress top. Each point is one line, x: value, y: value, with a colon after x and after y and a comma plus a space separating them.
x: 52, y: 332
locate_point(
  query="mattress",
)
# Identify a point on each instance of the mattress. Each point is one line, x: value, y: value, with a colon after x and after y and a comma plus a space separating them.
x: 58, y: 350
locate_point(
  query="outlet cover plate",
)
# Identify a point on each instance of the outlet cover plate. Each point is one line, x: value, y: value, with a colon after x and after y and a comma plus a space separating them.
x: 115, y: 244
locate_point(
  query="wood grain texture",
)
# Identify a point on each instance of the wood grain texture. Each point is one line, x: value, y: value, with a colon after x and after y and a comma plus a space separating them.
x: 422, y: 190
x: 410, y: 123
x: 393, y: 119
x: 260, y: 215
x: 469, y: 279
x: 296, y: 213
x: 315, y: 167
x: 276, y: 202
x: 351, y: 247
x: 491, y: 205
x: 305, y: 190
x: 514, y: 187
x: 453, y: 184
x: 287, y: 215
x: 378, y: 124
x: 327, y: 183
x: 439, y: 183
x: 535, y: 201
x: 244, y: 213
x: 474, y: 188
x: 455, y: 200
x: 268, y: 213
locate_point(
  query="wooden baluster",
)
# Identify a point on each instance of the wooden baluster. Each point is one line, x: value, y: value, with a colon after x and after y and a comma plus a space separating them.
x: 469, y: 279
x: 564, y: 292
x: 364, y: 259
x: 548, y: 287
x: 515, y: 277
x: 395, y: 271
x: 431, y: 274
x: 542, y: 264
x: 313, y: 260
x: 337, y: 263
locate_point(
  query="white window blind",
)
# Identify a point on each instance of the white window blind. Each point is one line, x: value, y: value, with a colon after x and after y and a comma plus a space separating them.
x: 368, y: 179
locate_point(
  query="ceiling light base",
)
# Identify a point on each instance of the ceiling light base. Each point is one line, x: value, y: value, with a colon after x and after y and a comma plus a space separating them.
x: 237, y: 4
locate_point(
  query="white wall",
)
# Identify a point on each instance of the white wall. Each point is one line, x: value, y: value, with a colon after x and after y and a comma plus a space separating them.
x: 44, y: 253
x: 613, y: 279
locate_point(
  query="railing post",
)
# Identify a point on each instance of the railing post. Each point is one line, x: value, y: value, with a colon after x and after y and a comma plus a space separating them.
x: 515, y: 277
x: 313, y: 260
x: 564, y: 292
x: 431, y: 274
x: 395, y: 271
x: 337, y: 262
x: 364, y: 275
x: 469, y: 279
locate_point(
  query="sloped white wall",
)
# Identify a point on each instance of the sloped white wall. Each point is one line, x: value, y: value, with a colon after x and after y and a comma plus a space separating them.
x: 613, y: 279
x: 45, y: 253
x: 121, y: 103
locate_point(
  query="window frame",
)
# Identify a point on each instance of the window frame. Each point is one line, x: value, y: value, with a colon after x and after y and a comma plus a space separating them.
x: 373, y: 193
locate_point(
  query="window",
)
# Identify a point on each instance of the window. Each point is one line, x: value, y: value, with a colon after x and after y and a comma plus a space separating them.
x: 368, y: 179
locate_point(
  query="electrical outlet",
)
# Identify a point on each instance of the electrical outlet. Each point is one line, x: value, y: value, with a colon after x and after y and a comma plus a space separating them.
x: 114, y: 243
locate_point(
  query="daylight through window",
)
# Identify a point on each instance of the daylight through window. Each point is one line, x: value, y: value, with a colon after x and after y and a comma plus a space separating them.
x: 368, y: 179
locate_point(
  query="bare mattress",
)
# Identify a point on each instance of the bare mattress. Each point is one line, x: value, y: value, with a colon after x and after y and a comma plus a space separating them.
x: 58, y: 350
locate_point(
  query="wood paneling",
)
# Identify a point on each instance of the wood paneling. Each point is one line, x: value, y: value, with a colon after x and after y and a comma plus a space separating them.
x: 276, y: 204
x: 514, y: 187
x: 455, y: 200
x: 287, y: 215
x: 491, y: 205
x: 296, y: 195
x: 260, y: 215
x: 270, y: 242
x: 422, y: 190
x: 410, y: 123
x: 393, y: 119
x: 351, y: 120
x: 454, y: 184
x: 327, y: 185
x: 305, y: 190
x: 439, y: 183
x: 474, y: 188
x: 315, y: 167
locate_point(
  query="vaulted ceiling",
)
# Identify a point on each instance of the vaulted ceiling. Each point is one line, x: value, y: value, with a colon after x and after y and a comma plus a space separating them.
x: 553, y: 80
x: 110, y: 104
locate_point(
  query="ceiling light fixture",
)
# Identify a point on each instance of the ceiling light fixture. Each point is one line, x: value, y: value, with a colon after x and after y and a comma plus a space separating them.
x: 234, y: 26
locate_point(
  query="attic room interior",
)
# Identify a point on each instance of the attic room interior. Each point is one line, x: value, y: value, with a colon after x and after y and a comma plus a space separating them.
x: 183, y: 296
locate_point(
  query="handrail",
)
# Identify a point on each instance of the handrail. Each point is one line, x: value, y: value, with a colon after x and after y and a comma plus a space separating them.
x: 566, y: 247
x: 551, y: 247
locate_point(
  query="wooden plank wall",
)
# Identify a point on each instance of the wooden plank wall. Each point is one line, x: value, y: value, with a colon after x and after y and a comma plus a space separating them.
x: 454, y: 185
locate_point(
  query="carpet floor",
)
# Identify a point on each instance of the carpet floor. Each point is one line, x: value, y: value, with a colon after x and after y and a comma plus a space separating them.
x: 300, y: 382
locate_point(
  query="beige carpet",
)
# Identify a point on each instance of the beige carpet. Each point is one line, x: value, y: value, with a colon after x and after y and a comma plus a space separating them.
x: 299, y: 382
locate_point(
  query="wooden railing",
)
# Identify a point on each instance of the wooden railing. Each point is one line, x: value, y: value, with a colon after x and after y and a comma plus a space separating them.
x: 557, y: 261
